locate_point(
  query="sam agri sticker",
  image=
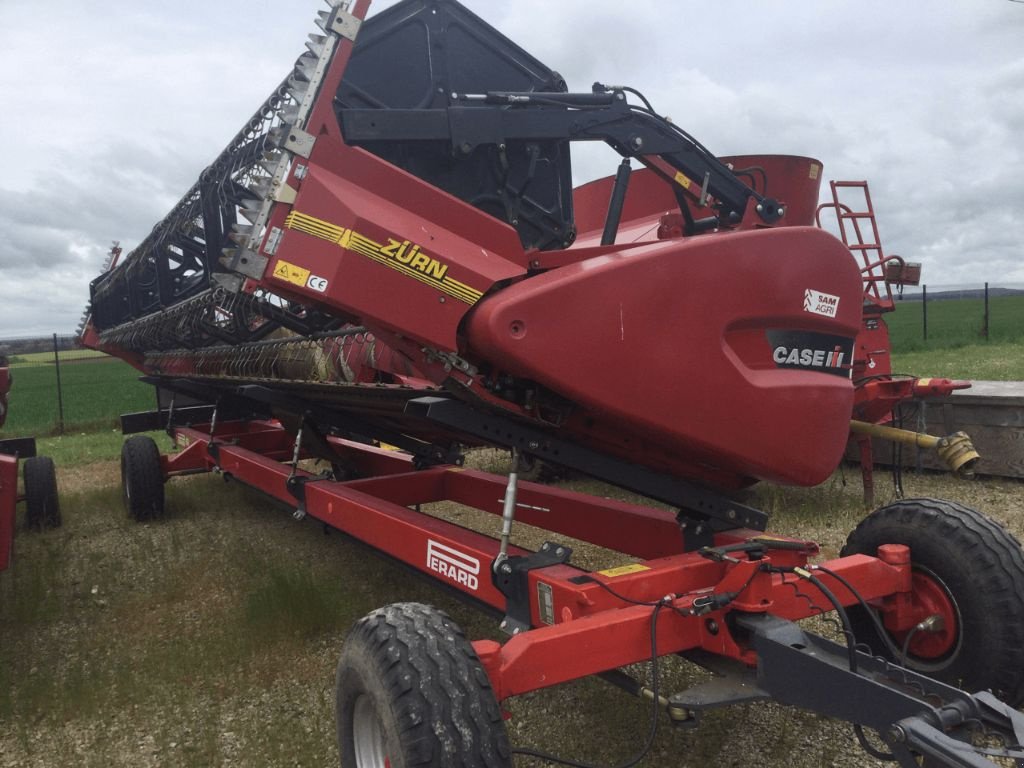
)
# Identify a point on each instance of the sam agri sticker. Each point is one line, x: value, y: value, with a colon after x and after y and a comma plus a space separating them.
x: 820, y: 303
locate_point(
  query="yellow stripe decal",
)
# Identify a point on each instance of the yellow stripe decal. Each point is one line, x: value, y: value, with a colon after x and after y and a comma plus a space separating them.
x: 403, y: 256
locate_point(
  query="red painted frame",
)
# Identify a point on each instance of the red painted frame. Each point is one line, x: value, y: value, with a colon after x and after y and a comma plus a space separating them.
x: 8, y: 507
x: 593, y: 629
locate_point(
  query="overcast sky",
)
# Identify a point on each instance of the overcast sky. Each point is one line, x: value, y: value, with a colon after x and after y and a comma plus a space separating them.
x: 112, y: 108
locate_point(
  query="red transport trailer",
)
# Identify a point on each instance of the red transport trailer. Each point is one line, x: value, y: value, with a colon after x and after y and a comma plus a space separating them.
x: 416, y: 270
x: 42, y: 508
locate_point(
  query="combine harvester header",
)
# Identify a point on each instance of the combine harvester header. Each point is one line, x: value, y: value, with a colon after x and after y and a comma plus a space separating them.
x: 391, y: 251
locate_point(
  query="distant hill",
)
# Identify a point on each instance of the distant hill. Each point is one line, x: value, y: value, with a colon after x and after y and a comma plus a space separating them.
x: 966, y: 293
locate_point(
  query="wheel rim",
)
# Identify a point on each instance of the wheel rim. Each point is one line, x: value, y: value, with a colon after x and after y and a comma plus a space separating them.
x: 932, y: 650
x: 368, y: 735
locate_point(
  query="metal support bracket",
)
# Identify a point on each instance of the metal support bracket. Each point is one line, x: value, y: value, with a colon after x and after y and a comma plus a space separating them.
x: 246, y: 262
x: 718, y: 512
x: 298, y: 141
x: 511, y: 578
x: 344, y: 24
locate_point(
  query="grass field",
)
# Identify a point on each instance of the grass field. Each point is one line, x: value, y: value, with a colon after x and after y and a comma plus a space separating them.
x: 956, y: 323
x: 210, y: 637
x: 95, y: 393
x: 46, y: 358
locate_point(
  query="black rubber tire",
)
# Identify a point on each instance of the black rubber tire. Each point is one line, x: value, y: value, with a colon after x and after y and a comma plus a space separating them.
x: 409, y: 671
x: 142, y: 479
x: 981, y: 566
x: 42, y: 505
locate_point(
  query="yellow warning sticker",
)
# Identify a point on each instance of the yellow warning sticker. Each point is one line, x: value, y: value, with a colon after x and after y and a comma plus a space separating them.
x: 812, y: 173
x: 924, y: 382
x: 624, y: 570
x: 291, y: 273
x: 683, y: 180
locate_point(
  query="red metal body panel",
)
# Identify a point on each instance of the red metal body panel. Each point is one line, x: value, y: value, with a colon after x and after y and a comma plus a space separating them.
x: 8, y: 507
x: 379, y: 232
x: 693, y: 370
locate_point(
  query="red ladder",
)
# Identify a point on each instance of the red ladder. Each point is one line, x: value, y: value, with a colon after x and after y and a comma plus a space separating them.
x: 859, y: 231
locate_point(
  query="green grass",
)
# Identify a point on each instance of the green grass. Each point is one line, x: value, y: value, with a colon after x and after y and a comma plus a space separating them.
x: 77, y: 448
x: 955, y: 323
x: 980, y: 362
x: 95, y: 394
x: 46, y: 358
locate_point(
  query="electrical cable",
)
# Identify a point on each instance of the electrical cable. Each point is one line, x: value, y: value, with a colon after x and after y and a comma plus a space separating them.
x: 652, y: 732
x: 879, y: 627
x: 665, y: 602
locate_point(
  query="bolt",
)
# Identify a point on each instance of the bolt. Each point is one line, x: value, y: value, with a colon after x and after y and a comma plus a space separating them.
x: 506, y: 568
x: 760, y: 208
x: 441, y: 299
x: 547, y: 546
x: 712, y: 626
x: 516, y: 631
x: 782, y: 211
x: 731, y: 514
x: 533, y: 445
x: 560, y: 551
x: 897, y: 734
x: 504, y: 624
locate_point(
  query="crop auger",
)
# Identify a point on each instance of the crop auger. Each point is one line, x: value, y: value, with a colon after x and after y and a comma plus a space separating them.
x: 390, y: 254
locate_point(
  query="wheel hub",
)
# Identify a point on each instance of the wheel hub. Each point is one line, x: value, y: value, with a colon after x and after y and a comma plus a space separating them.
x: 368, y: 736
x: 932, y: 598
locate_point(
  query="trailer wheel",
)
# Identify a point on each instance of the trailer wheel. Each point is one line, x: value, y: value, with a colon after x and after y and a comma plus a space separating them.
x: 967, y: 569
x: 142, y: 479
x: 411, y: 691
x: 42, y: 506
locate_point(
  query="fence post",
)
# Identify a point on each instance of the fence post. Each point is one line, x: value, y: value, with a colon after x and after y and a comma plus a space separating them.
x: 986, y: 326
x: 60, y: 394
x: 924, y: 309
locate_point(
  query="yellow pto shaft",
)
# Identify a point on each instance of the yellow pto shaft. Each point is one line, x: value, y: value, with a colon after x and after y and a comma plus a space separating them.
x: 956, y: 450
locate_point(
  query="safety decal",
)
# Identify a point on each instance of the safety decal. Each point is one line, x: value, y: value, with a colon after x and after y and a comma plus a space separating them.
x: 683, y: 180
x: 820, y: 303
x: 291, y: 273
x: 403, y: 256
x: 624, y: 570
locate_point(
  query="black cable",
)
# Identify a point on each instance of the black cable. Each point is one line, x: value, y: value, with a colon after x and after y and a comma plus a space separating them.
x: 640, y: 96
x: 866, y: 745
x: 851, y: 649
x: 906, y: 645
x: 879, y: 627
x: 652, y: 732
x: 725, y: 598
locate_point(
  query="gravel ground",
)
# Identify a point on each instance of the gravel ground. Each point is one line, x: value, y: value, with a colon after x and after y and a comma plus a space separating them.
x: 162, y: 644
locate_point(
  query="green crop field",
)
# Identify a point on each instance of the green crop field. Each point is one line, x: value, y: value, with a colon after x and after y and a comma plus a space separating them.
x: 95, y: 393
x: 46, y: 358
x: 954, y: 323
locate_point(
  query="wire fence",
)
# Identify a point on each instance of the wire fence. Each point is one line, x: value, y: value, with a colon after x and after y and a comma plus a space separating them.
x: 58, y: 386
x: 944, y: 316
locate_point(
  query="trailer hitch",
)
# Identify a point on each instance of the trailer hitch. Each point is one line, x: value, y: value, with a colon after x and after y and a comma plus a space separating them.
x: 914, y: 715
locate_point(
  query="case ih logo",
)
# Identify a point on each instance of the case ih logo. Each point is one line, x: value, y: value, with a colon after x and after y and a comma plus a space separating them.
x: 452, y: 564
x: 812, y: 351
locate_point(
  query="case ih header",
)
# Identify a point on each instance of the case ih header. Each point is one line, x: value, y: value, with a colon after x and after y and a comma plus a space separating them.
x: 391, y: 251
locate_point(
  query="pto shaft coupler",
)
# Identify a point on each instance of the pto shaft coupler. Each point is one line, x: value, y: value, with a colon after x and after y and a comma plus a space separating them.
x: 956, y: 451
